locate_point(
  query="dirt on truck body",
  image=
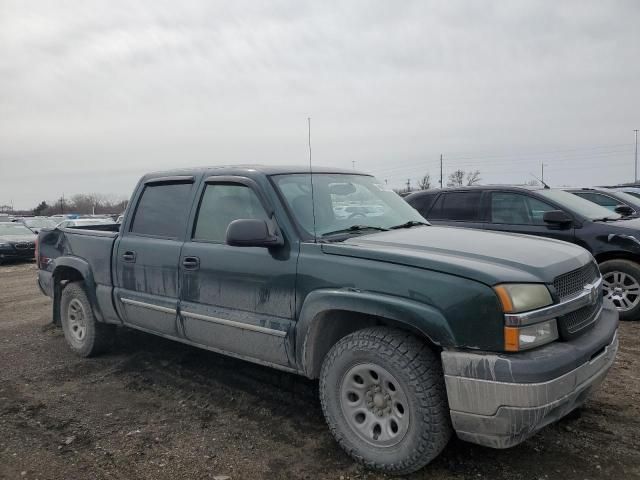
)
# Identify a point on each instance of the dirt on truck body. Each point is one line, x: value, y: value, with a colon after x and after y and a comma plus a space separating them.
x: 157, y: 409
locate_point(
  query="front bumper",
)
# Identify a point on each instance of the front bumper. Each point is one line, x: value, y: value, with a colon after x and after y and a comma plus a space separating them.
x: 499, y: 400
x: 27, y: 254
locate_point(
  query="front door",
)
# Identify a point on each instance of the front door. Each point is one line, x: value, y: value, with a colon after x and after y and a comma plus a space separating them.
x: 520, y: 213
x: 236, y: 299
x: 148, y: 255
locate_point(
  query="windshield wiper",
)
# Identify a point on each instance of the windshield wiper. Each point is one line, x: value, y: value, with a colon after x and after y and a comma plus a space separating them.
x: 606, y: 219
x: 409, y: 224
x: 355, y: 228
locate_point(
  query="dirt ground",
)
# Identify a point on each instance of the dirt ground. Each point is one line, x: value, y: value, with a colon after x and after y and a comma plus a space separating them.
x: 158, y: 409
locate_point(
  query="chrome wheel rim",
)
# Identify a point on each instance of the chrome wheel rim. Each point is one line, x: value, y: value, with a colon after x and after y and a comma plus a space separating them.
x: 77, y: 320
x: 374, y: 405
x: 622, y: 289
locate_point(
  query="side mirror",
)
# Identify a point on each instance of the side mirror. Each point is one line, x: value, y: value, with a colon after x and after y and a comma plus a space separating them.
x: 557, y: 217
x: 247, y: 232
x: 624, y: 210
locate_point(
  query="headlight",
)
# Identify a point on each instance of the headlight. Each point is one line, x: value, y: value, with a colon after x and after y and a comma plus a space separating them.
x: 521, y: 297
x: 524, y: 338
x: 4, y: 245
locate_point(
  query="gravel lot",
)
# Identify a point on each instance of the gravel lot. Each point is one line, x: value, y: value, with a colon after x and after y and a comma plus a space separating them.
x: 158, y: 409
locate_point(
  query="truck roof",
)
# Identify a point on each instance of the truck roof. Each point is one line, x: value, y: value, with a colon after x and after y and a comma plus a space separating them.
x: 249, y: 169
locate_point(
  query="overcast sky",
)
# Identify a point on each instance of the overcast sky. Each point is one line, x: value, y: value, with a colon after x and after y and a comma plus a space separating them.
x: 94, y: 94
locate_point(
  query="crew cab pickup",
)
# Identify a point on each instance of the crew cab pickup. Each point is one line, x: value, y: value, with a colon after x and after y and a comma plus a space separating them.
x: 414, y: 331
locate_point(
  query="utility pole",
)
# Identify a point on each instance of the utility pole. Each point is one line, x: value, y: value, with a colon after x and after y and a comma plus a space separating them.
x: 440, y: 170
x: 408, y: 184
x: 542, y: 177
x: 353, y: 164
x: 636, y: 155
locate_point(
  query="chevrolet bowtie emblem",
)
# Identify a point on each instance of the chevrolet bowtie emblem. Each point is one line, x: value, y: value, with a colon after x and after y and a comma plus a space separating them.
x: 593, y: 292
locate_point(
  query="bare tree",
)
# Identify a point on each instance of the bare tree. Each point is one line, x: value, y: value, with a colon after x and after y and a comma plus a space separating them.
x: 425, y: 182
x: 456, y: 179
x: 473, y: 177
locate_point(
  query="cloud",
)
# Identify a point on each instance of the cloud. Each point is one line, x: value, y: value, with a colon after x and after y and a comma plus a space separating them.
x: 96, y: 93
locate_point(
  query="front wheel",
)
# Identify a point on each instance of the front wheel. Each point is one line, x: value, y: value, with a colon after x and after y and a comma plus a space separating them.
x: 85, y: 336
x: 621, y: 283
x: 383, y: 396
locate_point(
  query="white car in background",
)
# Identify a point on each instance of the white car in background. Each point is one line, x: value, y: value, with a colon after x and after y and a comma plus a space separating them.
x: 85, y: 222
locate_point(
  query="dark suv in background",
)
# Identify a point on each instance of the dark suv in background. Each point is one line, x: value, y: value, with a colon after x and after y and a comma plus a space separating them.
x: 613, y: 240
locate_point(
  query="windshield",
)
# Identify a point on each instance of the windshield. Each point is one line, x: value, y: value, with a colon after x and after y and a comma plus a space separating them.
x: 39, y: 222
x: 343, y: 201
x: 8, y: 229
x: 579, y: 205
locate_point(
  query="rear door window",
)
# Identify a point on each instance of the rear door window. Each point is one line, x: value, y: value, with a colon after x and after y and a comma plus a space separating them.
x: 162, y: 210
x: 457, y: 206
x: 422, y: 203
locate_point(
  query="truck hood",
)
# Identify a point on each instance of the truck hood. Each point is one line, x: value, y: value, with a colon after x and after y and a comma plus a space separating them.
x: 488, y: 257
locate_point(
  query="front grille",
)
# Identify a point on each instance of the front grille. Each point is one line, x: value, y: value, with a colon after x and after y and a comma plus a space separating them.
x: 568, y: 284
x: 574, y: 323
x: 25, y: 246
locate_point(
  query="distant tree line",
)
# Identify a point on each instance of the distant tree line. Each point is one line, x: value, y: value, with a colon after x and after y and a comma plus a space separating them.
x: 458, y: 178
x: 83, y: 203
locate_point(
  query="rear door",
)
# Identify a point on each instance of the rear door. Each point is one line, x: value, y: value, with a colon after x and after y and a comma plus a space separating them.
x: 522, y: 213
x: 148, y: 254
x: 236, y: 299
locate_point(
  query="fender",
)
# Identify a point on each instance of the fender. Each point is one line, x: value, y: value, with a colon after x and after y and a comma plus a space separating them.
x: 424, y: 318
x: 84, y: 269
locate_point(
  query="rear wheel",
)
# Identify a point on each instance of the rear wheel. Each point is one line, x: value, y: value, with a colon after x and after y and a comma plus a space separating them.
x: 85, y: 335
x: 621, y: 283
x: 382, y: 393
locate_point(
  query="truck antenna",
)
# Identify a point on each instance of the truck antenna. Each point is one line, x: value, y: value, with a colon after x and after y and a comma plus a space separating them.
x: 546, y: 187
x: 313, y: 200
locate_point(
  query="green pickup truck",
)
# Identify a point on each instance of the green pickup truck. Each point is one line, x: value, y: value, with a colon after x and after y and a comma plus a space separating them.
x: 414, y: 331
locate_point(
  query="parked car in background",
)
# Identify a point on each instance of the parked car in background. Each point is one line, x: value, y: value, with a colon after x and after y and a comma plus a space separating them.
x: 413, y: 331
x: 17, y: 242
x: 4, y: 218
x: 612, y: 240
x: 633, y: 191
x: 85, y: 222
x: 616, y: 201
x: 35, y: 224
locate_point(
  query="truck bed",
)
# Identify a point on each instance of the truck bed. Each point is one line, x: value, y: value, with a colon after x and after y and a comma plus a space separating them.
x: 93, y: 245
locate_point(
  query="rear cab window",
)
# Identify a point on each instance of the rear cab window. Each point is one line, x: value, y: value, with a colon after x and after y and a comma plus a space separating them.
x: 162, y: 210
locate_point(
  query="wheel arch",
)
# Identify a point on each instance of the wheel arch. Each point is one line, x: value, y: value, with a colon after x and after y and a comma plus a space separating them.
x: 617, y: 255
x: 329, y: 315
x: 72, y: 269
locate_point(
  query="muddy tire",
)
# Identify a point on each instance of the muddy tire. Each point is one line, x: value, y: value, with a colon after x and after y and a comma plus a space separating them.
x: 85, y: 336
x: 621, y: 281
x: 383, y: 396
